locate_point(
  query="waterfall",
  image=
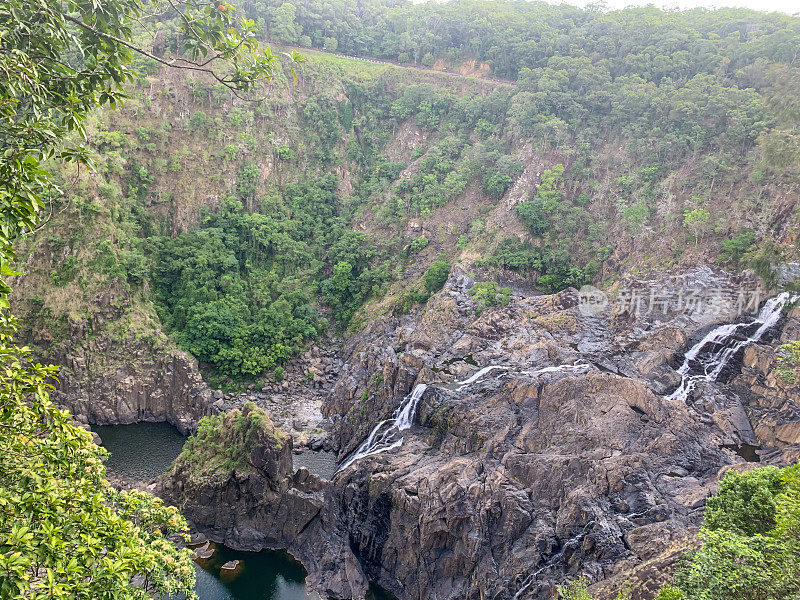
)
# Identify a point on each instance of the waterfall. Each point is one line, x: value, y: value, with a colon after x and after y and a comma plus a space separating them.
x: 579, y: 367
x: 480, y: 374
x: 721, y: 344
x: 385, y: 435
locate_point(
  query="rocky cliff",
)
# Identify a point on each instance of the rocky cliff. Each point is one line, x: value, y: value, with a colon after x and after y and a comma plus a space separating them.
x: 772, y: 403
x: 569, y: 458
x: 235, y: 482
x: 110, y: 373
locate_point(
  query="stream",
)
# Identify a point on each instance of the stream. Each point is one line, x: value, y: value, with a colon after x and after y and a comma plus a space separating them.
x: 145, y: 450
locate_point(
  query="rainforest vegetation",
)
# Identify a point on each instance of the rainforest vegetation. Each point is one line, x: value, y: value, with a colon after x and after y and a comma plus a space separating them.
x: 240, y: 219
x: 610, y: 134
x: 65, y: 532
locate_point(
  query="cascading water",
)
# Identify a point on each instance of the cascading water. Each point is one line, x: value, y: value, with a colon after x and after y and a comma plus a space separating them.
x: 580, y: 367
x: 705, y: 361
x: 385, y: 435
x: 479, y: 374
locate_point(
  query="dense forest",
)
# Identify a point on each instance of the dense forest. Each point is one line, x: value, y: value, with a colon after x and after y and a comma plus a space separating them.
x: 627, y: 141
x: 512, y: 36
x: 147, y: 201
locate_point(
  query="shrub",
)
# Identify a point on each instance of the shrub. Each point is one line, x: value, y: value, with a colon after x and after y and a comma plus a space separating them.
x: 496, y: 184
x: 532, y: 215
x: 489, y: 293
x: 746, y: 502
x: 734, y: 249
x: 418, y: 244
x: 278, y: 374
x: 284, y: 152
x: 789, y: 361
x: 575, y: 590
x: 197, y: 121
x: 436, y: 276
x: 515, y: 255
x: 751, y: 540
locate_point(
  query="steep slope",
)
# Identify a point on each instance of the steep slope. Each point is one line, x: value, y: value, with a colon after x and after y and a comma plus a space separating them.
x: 207, y: 210
x: 568, y: 457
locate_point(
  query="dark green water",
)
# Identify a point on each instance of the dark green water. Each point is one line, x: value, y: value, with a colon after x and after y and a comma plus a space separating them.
x: 264, y: 576
x: 146, y: 450
x: 141, y: 451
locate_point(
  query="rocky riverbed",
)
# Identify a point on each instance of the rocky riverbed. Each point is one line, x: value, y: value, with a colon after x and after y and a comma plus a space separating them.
x: 570, y: 457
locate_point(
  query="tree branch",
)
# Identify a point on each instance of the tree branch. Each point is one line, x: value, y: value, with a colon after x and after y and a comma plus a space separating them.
x: 171, y: 64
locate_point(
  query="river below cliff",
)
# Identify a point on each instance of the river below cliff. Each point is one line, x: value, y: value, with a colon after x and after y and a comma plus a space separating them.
x: 320, y: 463
x: 143, y: 451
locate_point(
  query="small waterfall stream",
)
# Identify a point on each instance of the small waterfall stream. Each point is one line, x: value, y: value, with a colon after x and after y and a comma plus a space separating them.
x: 385, y: 435
x: 479, y: 374
x: 706, y: 360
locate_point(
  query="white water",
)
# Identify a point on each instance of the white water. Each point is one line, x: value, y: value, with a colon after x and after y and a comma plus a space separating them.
x: 724, y: 337
x: 479, y: 374
x: 576, y: 368
x: 530, y: 579
x: 384, y: 436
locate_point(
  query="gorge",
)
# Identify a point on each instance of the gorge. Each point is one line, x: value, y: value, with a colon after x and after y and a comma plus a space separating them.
x: 566, y: 398
x: 459, y: 300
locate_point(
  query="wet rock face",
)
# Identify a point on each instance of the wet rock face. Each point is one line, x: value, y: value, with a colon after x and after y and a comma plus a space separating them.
x: 771, y: 402
x: 569, y: 460
x: 585, y: 473
x: 535, y: 473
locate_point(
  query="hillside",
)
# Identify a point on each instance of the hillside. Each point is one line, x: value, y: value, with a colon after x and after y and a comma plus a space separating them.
x: 327, y: 202
x: 380, y: 251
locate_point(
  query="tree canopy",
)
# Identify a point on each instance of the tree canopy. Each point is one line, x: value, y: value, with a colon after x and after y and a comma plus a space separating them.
x: 65, y: 532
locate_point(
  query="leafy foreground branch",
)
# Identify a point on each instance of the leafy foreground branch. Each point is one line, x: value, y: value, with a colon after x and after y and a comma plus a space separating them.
x: 64, y: 531
x: 751, y: 543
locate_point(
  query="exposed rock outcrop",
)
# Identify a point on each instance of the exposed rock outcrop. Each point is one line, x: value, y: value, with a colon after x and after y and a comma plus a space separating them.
x: 235, y: 482
x: 771, y: 402
x: 569, y: 460
x: 110, y: 375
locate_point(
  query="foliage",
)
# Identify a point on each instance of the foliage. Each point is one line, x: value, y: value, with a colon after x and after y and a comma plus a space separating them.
x: 762, y: 259
x: 436, y: 275
x: 418, y: 244
x: 489, y: 293
x: 696, y: 221
x: 513, y: 254
x: 532, y: 214
x: 734, y: 249
x: 751, y: 548
x: 745, y: 503
x: 575, y: 590
x: 284, y: 152
x: 789, y: 361
x: 224, y: 443
x: 353, y: 280
x: 224, y: 287
x: 64, y: 531
x: 46, y: 91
